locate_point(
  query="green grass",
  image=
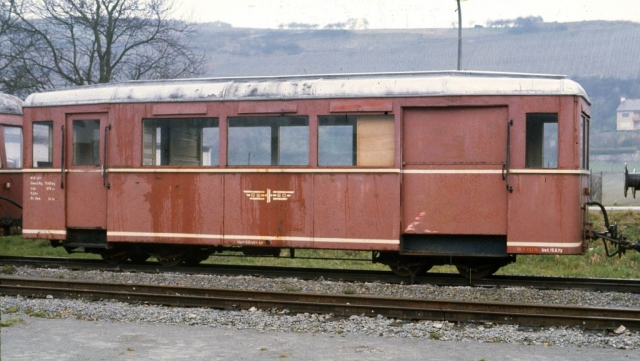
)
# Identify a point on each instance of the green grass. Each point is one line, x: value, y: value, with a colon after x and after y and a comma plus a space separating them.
x: 16, y: 246
x: 594, y: 263
x: 303, y: 258
x: 10, y: 322
x: 612, y: 167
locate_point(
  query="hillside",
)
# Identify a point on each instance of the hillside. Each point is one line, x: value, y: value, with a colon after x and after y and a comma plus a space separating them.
x: 587, y: 49
x: 603, y: 56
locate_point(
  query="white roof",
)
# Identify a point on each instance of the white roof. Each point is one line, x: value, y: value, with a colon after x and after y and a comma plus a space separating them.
x: 629, y: 105
x: 365, y: 85
x: 10, y: 104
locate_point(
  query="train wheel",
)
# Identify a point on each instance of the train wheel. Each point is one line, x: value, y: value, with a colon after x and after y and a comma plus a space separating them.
x: 114, y: 256
x: 171, y: 260
x: 411, y: 271
x: 477, y: 272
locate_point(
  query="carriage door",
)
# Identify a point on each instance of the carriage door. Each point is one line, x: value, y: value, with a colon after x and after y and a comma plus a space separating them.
x: 453, y: 181
x: 84, y: 160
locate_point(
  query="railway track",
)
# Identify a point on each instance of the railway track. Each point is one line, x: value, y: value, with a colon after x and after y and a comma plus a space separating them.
x: 439, y: 279
x: 338, y: 305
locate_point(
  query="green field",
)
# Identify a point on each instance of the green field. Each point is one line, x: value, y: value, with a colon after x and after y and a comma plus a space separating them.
x: 594, y: 263
x: 613, y: 167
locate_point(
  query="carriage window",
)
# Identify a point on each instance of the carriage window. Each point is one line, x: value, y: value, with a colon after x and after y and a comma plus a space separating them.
x: 43, y: 145
x: 350, y: 140
x: 269, y: 141
x: 13, y: 146
x: 584, y: 155
x: 86, y: 142
x: 542, y: 140
x: 186, y: 142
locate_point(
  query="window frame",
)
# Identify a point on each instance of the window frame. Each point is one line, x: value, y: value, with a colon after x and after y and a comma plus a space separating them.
x: 35, y: 163
x: 20, y: 165
x: 76, y: 152
x: 534, y: 147
x: 169, y: 126
x: 275, y: 123
x: 353, y: 120
x: 585, y: 126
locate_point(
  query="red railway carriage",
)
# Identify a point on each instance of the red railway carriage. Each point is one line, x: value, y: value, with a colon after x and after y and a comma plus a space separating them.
x: 10, y: 164
x: 467, y: 168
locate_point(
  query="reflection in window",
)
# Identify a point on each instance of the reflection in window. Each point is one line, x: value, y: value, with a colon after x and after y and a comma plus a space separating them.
x: 13, y: 146
x: 269, y: 141
x: 43, y: 145
x: 542, y: 140
x: 86, y: 142
x: 350, y: 140
x: 185, y: 141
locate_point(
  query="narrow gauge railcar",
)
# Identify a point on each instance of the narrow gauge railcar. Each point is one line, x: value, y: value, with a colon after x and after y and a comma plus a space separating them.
x: 424, y: 168
x: 10, y: 164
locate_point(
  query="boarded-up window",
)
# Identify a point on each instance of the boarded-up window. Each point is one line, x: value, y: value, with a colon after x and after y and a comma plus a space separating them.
x: 356, y: 140
x: 375, y: 141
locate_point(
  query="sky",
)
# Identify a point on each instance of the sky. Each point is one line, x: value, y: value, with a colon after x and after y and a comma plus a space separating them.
x: 400, y: 14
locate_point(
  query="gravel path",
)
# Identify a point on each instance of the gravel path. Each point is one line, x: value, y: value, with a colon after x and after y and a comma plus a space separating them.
x: 282, y: 321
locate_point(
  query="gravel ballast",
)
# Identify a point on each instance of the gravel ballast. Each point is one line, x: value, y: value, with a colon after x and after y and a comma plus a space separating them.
x: 285, y: 322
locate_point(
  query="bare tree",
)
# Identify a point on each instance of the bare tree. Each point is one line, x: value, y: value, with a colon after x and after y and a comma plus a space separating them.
x: 78, y: 42
x: 11, y: 74
x: 5, y: 23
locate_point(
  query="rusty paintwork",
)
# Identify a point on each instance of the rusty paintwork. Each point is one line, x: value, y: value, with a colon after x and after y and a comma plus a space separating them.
x: 446, y: 176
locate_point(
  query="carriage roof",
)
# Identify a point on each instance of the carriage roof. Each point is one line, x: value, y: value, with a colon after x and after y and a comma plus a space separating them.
x: 323, y: 86
x: 10, y: 104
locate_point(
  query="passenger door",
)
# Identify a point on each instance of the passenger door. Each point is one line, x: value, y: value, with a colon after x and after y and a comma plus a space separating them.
x: 86, y: 188
x: 453, y: 181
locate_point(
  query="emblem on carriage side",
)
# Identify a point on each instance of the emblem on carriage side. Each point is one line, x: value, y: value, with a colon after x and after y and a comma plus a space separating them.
x: 269, y: 195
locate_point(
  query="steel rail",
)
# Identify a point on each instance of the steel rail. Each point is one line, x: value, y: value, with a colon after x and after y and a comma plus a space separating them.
x: 439, y: 279
x: 338, y: 305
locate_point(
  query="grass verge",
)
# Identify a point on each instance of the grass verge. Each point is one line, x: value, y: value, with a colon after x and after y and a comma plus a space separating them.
x: 594, y: 263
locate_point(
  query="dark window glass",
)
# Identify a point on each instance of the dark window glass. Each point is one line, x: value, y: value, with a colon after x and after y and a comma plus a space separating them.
x: 268, y: 141
x: 86, y: 142
x: 336, y: 143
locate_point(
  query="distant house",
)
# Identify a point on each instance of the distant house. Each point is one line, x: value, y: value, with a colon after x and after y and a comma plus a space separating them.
x: 628, y: 114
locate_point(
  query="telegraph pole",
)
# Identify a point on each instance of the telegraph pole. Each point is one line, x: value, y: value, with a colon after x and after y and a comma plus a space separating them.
x: 459, y: 36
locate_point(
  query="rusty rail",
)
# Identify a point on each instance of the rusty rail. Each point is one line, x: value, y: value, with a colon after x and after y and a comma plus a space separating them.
x: 439, y: 279
x: 339, y: 305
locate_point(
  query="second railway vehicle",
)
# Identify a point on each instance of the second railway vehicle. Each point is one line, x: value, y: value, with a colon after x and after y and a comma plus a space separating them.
x: 10, y: 164
x: 420, y: 169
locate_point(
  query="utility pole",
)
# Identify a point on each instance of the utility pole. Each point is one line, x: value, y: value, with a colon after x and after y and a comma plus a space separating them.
x: 459, y: 36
